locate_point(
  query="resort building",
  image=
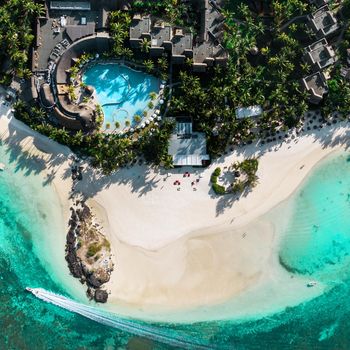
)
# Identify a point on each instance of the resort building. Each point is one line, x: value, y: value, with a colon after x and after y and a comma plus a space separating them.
x: 140, y: 29
x: 161, y: 35
x: 208, y: 50
x: 205, y: 50
x: 248, y: 112
x: 68, y: 29
x: 182, y: 46
x: 319, y: 3
x: 323, y: 22
x: 319, y: 55
x: 345, y: 73
x: 186, y: 147
x: 316, y: 86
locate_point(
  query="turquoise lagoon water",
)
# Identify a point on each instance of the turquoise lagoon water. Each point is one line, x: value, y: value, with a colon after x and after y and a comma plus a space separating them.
x: 121, y: 91
x: 316, y: 244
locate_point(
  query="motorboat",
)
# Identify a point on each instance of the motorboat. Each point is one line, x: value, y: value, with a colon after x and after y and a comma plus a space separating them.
x: 311, y: 283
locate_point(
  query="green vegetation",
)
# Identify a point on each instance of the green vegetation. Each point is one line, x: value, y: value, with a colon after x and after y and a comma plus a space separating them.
x: 16, y: 22
x: 149, y: 65
x: 106, y: 151
x: 247, y: 170
x: 217, y: 172
x: 119, y: 23
x: 163, y: 64
x: 106, y: 244
x: 71, y: 93
x: 215, y: 175
x: 249, y: 167
x: 145, y: 45
x: 93, y: 249
x: 153, y: 95
x: 137, y: 118
x: 245, y: 177
x: 270, y: 77
x: 218, y: 189
x: 265, y: 68
x: 176, y: 12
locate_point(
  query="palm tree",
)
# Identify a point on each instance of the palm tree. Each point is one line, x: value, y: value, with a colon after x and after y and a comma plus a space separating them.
x: 25, y: 73
x: 78, y: 138
x: 149, y: 65
x: 168, y: 162
x: 127, y: 53
x: 145, y: 45
x: 137, y: 118
x: 38, y: 113
x: 163, y: 64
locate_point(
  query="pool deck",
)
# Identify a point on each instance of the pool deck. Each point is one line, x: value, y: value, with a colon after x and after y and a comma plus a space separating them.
x: 152, y: 113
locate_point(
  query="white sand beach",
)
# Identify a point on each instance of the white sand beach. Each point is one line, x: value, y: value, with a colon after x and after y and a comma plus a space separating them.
x: 183, y: 250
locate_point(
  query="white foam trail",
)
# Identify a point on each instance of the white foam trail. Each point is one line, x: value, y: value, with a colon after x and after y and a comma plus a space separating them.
x: 96, y: 315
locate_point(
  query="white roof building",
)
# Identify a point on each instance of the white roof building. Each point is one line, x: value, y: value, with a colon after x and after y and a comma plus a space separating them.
x: 248, y: 112
x: 188, y: 148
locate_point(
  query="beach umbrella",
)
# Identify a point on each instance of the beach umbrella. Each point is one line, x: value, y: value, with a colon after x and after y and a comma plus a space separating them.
x: 161, y: 102
x: 97, y: 55
x: 157, y: 111
x: 147, y: 122
x: 154, y: 115
x: 159, y: 118
x: 162, y: 86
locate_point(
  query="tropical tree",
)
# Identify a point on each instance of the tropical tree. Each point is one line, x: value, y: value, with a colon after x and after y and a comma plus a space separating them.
x: 149, y: 65
x: 137, y: 118
x: 162, y: 64
x: 145, y: 45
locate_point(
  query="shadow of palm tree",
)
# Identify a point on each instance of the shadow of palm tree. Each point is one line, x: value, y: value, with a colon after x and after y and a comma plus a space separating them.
x: 327, y: 140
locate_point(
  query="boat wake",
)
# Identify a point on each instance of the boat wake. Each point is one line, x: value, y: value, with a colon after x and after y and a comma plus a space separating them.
x: 147, y: 331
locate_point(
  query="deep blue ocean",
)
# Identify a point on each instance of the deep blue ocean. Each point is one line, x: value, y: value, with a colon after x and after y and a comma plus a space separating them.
x: 316, y: 243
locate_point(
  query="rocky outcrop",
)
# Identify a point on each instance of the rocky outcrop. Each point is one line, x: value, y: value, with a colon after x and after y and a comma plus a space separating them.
x: 88, y: 252
x: 101, y: 296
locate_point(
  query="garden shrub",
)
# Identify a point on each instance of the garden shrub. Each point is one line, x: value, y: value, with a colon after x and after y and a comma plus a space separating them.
x: 218, y: 189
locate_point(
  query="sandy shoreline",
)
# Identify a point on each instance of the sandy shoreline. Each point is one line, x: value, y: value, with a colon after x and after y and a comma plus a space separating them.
x: 186, y: 250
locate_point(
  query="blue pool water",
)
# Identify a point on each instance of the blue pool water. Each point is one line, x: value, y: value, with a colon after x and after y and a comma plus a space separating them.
x: 315, y: 243
x: 122, y: 92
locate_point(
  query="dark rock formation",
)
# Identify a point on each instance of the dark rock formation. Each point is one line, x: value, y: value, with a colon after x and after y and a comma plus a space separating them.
x: 79, y: 225
x: 101, y: 296
x: 74, y: 263
x: 93, y: 281
x: 90, y: 293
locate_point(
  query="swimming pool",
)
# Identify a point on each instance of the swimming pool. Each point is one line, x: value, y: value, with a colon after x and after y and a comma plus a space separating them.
x: 121, y: 91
